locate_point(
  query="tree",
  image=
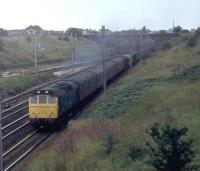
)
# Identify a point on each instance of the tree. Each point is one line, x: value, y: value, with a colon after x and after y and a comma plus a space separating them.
x: 197, y: 33
x: 178, y: 29
x: 163, y: 32
x: 35, y: 27
x: 170, y: 152
x: 144, y: 29
x: 74, y: 32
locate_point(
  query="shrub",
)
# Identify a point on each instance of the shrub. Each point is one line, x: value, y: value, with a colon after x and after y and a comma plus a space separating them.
x: 178, y: 29
x: 59, y: 37
x: 109, y: 143
x: 145, y: 55
x: 192, y: 42
x: 171, y: 152
x: 185, y: 31
x: 152, y: 49
x: 1, y: 45
x: 166, y: 46
x: 28, y: 38
x: 197, y: 33
x: 163, y: 32
x: 136, y: 153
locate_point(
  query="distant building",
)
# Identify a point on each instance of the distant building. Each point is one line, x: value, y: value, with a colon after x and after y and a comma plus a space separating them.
x: 170, y: 31
x: 89, y: 33
x: 29, y: 32
x: 15, y: 32
x: 32, y: 30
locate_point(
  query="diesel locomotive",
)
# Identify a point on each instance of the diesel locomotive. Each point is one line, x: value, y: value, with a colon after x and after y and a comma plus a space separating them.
x: 48, y: 104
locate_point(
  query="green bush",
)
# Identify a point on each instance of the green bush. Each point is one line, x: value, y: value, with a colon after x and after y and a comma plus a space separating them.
x: 14, y: 85
x: 170, y: 150
x: 166, y: 46
x: 192, y: 42
x: 178, y: 29
x: 145, y: 55
x: 109, y: 143
x: 28, y: 38
x: 136, y: 153
x: 1, y: 45
x: 152, y: 49
x: 197, y: 33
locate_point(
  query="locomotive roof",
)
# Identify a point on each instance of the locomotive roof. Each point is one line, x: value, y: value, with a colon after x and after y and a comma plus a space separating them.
x: 56, y: 89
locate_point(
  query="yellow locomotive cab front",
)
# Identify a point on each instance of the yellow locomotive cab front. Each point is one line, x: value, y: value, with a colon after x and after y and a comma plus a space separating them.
x: 43, y: 107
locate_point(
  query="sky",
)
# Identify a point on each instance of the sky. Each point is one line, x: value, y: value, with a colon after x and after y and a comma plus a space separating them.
x: 114, y: 14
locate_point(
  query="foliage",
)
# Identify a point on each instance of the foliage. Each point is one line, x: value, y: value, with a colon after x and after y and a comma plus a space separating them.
x: 109, y: 143
x: 144, y: 29
x: 14, y: 85
x: 1, y: 45
x: 129, y: 107
x: 136, y: 153
x: 34, y: 27
x: 28, y: 38
x: 152, y: 49
x: 74, y: 32
x: 178, y: 29
x: 163, y: 32
x: 166, y: 46
x: 185, y: 31
x: 173, y: 153
x: 197, y: 33
x: 20, y: 50
x: 192, y: 42
x: 145, y: 55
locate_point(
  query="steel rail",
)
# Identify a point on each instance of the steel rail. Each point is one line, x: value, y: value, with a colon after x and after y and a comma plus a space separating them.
x: 13, y: 113
x: 14, y: 122
x: 19, y: 143
x: 26, y: 153
x: 5, y: 101
x: 12, y: 132
x: 21, y: 95
x: 7, y: 110
x: 32, y: 89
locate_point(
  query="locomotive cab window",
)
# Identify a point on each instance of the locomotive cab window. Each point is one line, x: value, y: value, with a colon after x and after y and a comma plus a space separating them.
x: 34, y: 99
x: 51, y: 100
x: 43, y: 99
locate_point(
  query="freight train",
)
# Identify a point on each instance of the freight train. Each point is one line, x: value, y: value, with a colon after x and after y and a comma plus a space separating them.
x: 50, y: 103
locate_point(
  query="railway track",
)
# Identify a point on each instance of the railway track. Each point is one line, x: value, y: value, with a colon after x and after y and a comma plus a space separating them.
x: 18, y: 136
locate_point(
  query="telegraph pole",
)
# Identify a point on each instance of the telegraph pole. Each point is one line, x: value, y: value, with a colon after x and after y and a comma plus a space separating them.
x: 141, y: 37
x: 129, y: 42
x: 130, y: 59
x: 35, y: 54
x: 1, y: 141
x: 103, y: 59
x: 72, y: 46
